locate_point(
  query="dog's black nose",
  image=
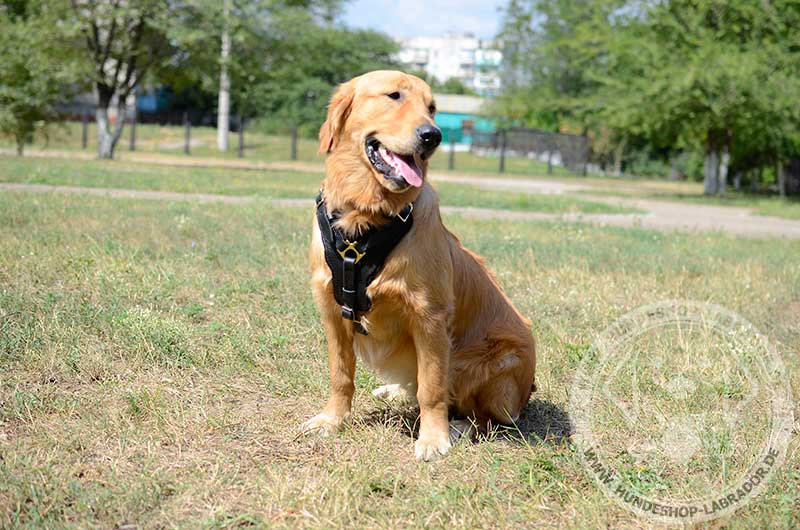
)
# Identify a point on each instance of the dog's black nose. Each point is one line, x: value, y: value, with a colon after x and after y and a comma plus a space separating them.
x: 429, y: 136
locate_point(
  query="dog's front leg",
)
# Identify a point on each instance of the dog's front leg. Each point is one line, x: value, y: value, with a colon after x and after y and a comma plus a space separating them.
x: 342, y: 366
x: 433, y: 353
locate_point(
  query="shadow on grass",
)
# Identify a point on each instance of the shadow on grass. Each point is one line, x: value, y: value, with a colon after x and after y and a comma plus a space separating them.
x: 541, y: 422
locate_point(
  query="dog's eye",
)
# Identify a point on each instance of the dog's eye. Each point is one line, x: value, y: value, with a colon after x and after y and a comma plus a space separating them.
x: 432, y: 109
x: 394, y: 95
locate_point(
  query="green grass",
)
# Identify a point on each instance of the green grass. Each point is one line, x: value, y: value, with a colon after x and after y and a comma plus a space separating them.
x: 157, y: 357
x: 788, y: 209
x: 262, y: 183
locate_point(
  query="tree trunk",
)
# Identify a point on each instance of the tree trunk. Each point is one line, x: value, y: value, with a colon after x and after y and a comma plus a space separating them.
x: 755, y: 181
x: 737, y: 180
x: 108, y: 136
x: 710, y: 171
x: 722, y: 175
x: 618, y: 153
x: 781, y: 174
x: 224, y: 103
x: 673, y: 167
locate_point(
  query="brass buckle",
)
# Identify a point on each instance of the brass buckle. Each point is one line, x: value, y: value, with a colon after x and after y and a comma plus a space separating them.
x: 351, y: 245
x: 411, y: 209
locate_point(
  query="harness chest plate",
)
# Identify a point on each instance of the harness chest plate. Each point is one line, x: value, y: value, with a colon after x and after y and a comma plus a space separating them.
x: 354, y: 264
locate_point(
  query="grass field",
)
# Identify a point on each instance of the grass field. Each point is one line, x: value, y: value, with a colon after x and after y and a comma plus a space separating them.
x: 263, y: 183
x: 157, y: 357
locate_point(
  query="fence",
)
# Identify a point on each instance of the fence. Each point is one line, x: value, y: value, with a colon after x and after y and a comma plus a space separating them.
x: 514, y: 150
x: 569, y: 151
x: 185, y: 119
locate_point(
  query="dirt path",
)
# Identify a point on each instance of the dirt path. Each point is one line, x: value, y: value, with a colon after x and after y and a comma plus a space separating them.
x: 165, y: 159
x: 121, y: 193
x: 540, y: 186
x: 662, y: 215
x: 669, y: 215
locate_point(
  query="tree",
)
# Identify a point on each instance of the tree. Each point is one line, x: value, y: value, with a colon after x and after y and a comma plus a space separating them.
x: 723, y: 77
x: 224, y: 101
x: 37, y: 70
x: 548, y: 47
x: 124, y: 40
x: 220, y: 42
x: 308, y: 59
x: 452, y: 85
x: 228, y: 47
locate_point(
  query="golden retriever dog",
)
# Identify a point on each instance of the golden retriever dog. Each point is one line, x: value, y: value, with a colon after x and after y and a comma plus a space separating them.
x: 439, y: 328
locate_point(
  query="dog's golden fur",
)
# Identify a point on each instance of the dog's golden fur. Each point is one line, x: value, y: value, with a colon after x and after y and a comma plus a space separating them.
x: 440, y: 326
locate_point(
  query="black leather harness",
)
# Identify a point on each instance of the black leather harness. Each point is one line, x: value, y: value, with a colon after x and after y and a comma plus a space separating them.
x: 355, y: 263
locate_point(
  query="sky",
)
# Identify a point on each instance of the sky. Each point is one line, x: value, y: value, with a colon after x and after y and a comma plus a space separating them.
x: 425, y: 18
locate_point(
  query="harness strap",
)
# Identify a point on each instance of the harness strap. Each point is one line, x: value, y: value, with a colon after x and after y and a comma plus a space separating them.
x: 349, y: 288
x: 355, y: 264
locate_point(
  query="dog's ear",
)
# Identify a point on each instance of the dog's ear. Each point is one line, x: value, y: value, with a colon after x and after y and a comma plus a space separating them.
x: 338, y: 110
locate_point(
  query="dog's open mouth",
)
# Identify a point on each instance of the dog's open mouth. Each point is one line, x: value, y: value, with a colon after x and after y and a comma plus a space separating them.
x: 402, y: 169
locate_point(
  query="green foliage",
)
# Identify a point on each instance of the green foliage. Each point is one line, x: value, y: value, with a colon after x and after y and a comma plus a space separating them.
x: 452, y: 85
x: 198, y: 29
x: 286, y: 56
x: 308, y: 60
x: 36, y: 70
x: 548, y: 46
x: 700, y: 74
x: 121, y: 43
x: 659, y: 77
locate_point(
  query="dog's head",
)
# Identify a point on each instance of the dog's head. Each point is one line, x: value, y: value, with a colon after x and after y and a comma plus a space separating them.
x: 380, y: 129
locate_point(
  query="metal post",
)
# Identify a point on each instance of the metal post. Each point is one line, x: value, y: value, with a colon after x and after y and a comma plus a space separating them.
x: 502, y: 151
x: 241, y: 136
x: 132, y: 145
x: 550, y: 161
x: 188, y: 133
x: 294, y: 142
x: 85, y: 134
x: 451, y: 163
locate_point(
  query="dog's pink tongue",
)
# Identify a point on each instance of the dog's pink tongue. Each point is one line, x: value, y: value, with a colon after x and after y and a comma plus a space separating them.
x: 410, y: 173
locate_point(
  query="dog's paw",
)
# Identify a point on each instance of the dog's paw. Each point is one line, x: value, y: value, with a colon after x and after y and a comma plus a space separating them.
x: 430, y: 448
x: 322, y: 424
x: 393, y: 393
